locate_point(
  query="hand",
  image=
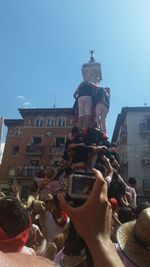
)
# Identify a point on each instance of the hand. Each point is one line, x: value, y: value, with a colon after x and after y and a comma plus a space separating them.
x: 16, y: 190
x: 93, y: 223
x: 109, y: 168
x: 93, y: 219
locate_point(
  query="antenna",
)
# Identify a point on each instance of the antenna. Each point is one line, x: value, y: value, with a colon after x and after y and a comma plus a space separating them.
x: 54, y: 106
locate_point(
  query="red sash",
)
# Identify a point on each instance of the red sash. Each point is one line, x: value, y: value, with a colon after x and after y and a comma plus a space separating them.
x: 13, y: 244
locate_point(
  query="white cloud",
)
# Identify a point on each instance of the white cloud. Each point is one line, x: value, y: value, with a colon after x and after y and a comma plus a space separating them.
x: 27, y: 103
x: 20, y: 96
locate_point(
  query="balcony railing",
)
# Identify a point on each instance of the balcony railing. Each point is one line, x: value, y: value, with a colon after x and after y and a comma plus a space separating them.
x: 144, y: 128
x: 146, y: 184
x: 123, y: 131
x: 34, y: 149
x: 28, y: 171
x: 123, y: 139
x: 57, y: 149
x: 145, y: 154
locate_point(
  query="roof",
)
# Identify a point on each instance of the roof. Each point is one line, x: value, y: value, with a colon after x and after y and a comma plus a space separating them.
x: 12, y: 122
x: 45, y: 111
x: 121, y: 117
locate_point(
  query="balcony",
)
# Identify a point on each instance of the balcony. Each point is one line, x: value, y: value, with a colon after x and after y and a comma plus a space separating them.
x: 145, y: 155
x: 146, y: 184
x: 123, y: 130
x: 144, y: 127
x: 28, y: 171
x: 34, y: 149
x: 123, y: 136
x: 57, y: 149
x: 146, y: 161
x: 123, y: 140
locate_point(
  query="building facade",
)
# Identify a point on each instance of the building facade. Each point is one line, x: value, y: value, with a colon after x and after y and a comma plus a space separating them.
x: 33, y: 142
x: 132, y: 135
x: 37, y: 140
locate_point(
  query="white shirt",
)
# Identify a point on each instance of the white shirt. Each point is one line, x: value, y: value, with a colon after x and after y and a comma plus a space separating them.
x: 131, y: 196
x: 50, y: 227
x: 27, y: 250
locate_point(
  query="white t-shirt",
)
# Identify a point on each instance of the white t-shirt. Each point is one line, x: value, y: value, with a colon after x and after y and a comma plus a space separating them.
x: 50, y: 227
x: 27, y: 250
x: 131, y: 196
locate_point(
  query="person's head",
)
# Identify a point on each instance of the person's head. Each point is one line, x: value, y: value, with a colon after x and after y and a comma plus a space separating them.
x: 68, y: 171
x: 132, y: 181
x: 50, y: 202
x: 13, y: 217
x: 75, y: 131
x: 134, y: 239
x: 126, y: 214
x: 141, y: 206
x: 35, y: 207
x: 116, y: 189
x: 41, y: 173
x: 33, y: 188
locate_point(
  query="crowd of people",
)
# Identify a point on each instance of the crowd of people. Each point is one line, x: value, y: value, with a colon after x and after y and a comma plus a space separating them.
x: 105, y: 227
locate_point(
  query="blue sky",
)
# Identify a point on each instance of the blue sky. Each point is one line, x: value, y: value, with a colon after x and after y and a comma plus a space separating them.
x: 43, y: 44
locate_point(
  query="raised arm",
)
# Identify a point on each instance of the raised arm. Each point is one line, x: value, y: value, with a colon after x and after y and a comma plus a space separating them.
x: 93, y: 223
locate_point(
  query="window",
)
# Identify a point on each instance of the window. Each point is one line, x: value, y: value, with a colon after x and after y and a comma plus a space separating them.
x: 36, y: 140
x: 61, y: 122
x: 146, y: 183
x: 60, y: 144
x: 148, y: 124
x: 50, y: 122
x: 34, y: 162
x: 25, y: 192
x: 11, y: 131
x: 18, y: 131
x: 39, y: 122
x: 60, y: 141
x: 15, y: 150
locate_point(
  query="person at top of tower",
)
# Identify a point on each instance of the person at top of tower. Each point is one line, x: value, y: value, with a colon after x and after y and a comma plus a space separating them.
x: 102, y: 102
x: 83, y: 94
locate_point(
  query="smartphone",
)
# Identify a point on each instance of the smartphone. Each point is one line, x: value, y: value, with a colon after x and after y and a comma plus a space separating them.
x: 80, y: 185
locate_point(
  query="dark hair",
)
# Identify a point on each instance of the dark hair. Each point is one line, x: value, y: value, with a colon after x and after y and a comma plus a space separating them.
x: 75, y: 130
x: 13, y: 217
x: 68, y: 170
x: 132, y: 181
x: 95, y: 136
x: 116, y: 189
x: 126, y: 214
x: 33, y: 187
